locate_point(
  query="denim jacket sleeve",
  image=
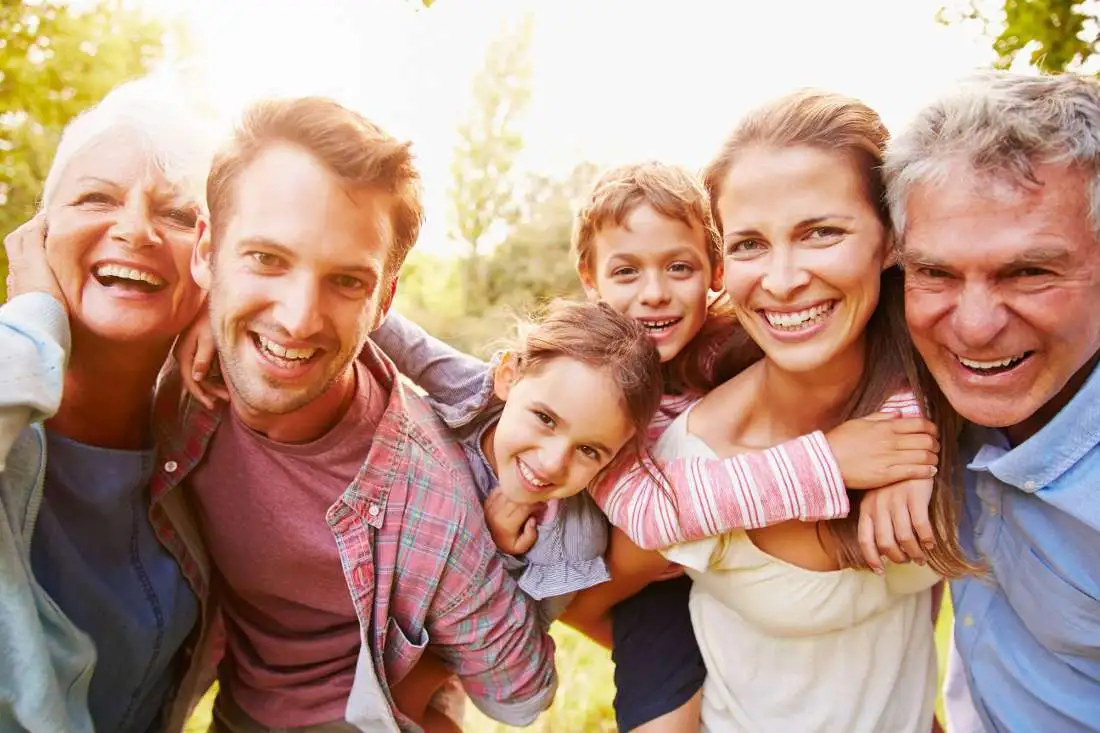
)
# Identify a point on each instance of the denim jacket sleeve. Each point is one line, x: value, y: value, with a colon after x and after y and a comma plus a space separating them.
x: 459, y: 386
x: 34, y: 346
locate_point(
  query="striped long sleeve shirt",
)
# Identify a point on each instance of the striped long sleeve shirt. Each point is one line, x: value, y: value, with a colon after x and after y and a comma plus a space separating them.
x: 691, y: 499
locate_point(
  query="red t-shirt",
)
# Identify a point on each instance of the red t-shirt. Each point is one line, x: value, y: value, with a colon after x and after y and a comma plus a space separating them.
x: 292, y: 634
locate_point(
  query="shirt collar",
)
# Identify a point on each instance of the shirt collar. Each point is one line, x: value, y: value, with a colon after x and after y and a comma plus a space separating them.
x: 1042, y: 459
x: 183, y: 422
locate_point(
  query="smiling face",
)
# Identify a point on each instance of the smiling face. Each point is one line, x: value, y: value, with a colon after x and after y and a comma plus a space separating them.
x: 296, y: 279
x: 1002, y: 286
x: 804, y: 252
x: 119, y: 240
x: 562, y: 423
x: 655, y: 270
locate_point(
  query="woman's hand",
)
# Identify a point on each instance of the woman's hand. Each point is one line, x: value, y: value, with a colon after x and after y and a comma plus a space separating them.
x: 28, y: 269
x: 196, y: 351
x: 893, y: 522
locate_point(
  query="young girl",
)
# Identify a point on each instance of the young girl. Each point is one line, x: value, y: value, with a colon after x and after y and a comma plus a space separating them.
x: 572, y: 399
x: 797, y: 192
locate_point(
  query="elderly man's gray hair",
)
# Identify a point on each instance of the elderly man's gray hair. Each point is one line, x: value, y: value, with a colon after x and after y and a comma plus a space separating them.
x: 1001, y: 124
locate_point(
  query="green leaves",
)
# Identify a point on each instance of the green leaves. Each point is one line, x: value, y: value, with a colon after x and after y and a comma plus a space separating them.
x: 1057, y: 27
x: 530, y: 266
x: 1063, y: 33
x: 489, y: 141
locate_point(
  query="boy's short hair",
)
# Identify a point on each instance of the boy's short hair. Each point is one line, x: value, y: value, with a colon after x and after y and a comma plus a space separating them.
x: 670, y: 190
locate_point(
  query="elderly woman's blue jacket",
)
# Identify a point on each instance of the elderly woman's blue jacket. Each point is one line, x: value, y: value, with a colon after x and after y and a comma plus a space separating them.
x: 47, y: 661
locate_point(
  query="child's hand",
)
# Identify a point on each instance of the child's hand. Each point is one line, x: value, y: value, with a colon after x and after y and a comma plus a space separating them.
x: 195, y: 351
x: 883, y: 449
x: 512, y: 525
x: 893, y: 521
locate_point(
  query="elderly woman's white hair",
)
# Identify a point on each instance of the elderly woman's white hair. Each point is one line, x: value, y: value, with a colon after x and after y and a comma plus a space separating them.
x: 157, y: 112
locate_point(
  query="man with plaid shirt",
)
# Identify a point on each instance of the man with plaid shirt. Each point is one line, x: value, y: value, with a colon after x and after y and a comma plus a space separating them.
x: 324, y: 517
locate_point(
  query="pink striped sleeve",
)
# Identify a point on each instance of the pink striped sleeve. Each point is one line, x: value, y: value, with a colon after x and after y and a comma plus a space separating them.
x: 693, y: 498
x: 690, y: 499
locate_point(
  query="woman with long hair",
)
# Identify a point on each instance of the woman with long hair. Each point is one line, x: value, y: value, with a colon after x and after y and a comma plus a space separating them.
x: 796, y: 630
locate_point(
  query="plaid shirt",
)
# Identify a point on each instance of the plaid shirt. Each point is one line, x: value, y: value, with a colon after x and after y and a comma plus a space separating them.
x: 415, y: 551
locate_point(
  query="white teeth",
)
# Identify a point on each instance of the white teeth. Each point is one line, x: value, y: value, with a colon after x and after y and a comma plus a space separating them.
x: 657, y: 325
x: 530, y: 476
x: 283, y: 353
x: 799, y: 319
x: 995, y: 364
x: 128, y: 273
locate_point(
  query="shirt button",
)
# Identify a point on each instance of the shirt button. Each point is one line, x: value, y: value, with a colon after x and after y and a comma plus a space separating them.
x: 171, y: 466
x: 1029, y: 485
x: 992, y: 509
x: 373, y: 510
x: 968, y: 620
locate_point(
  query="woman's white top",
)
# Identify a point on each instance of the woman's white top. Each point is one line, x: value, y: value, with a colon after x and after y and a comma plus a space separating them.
x: 790, y: 649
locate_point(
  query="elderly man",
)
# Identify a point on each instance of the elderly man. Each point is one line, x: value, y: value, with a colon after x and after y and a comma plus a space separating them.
x: 995, y: 195
x: 325, y: 514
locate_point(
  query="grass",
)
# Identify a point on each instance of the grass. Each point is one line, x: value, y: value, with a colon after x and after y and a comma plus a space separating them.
x: 583, y: 702
x: 585, y: 688
x: 585, y: 691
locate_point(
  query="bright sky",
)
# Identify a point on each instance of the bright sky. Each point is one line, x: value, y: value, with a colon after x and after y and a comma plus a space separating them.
x: 614, y: 80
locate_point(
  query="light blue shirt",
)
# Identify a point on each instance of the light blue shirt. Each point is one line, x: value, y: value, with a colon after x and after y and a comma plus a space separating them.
x: 1028, y: 634
x: 46, y: 662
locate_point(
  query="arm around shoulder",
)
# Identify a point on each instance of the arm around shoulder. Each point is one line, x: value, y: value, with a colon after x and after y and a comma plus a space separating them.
x: 459, y: 386
x: 686, y: 498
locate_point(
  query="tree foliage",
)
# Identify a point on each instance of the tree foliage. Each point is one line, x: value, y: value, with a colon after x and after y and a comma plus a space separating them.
x: 532, y: 265
x: 1062, y: 34
x: 1056, y: 27
x: 55, y: 61
x: 489, y: 142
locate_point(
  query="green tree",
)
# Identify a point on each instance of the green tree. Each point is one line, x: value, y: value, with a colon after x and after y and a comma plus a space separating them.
x: 1056, y: 26
x: 489, y: 141
x: 430, y: 293
x: 532, y: 265
x: 1064, y: 32
x: 55, y: 61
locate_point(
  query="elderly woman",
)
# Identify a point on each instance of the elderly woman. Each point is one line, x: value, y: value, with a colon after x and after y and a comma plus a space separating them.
x: 83, y: 577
